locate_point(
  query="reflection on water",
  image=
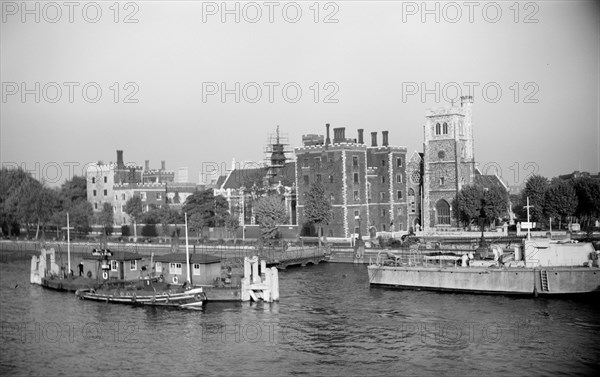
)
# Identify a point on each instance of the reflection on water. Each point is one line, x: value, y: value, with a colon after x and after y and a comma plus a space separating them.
x: 328, y: 322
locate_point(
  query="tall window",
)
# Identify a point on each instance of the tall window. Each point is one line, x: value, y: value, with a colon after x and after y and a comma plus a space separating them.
x: 355, y: 177
x: 114, y: 265
x: 93, y: 179
x: 383, y: 162
x: 306, y: 180
x: 105, y: 179
x: 437, y: 129
x: 399, y: 178
x: 445, y: 128
x: 443, y: 212
x: 383, y: 179
x: 399, y: 195
x: 399, y: 162
x: 354, y: 160
x: 196, y: 270
x: 441, y: 181
x: 331, y: 179
x: 356, y: 196
x: 411, y: 200
x: 94, y: 192
x: 382, y: 195
x: 105, y: 192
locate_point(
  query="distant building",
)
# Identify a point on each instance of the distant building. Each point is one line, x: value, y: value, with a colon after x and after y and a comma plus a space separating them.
x: 579, y: 174
x: 362, y: 182
x: 245, y: 183
x: 116, y: 183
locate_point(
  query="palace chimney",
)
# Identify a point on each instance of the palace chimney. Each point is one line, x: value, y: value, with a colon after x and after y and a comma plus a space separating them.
x: 163, y: 165
x: 120, y: 163
x: 373, y: 139
x: 360, y: 136
x: 384, y: 142
x: 328, y: 140
x: 147, y: 165
x: 339, y: 135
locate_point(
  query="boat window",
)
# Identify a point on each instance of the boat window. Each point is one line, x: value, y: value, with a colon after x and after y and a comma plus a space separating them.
x: 175, y: 268
x: 196, y: 271
x: 133, y: 265
x: 114, y: 265
x: 158, y: 266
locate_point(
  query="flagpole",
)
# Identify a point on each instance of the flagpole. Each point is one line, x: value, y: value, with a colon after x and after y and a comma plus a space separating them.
x: 68, y: 243
x: 187, y: 250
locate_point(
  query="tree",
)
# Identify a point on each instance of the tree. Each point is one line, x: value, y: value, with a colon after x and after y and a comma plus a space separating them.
x: 232, y: 223
x: 197, y: 222
x: 73, y: 190
x: 561, y: 200
x: 107, y: 218
x: 213, y: 209
x: 475, y: 202
x: 469, y: 204
x: 317, y: 208
x: 588, y: 197
x: 133, y: 207
x: 270, y: 212
x: 535, y: 190
x: 80, y: 215
x: 495, y: 203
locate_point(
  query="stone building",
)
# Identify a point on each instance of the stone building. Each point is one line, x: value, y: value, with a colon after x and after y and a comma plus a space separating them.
x: 115, y: 183
x: 366, y: 184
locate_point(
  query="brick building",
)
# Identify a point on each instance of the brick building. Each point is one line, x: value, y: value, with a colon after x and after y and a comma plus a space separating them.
x: 366, y: 184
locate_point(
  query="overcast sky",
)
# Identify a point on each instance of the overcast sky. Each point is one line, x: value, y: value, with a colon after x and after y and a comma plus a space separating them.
x: 533, y: 70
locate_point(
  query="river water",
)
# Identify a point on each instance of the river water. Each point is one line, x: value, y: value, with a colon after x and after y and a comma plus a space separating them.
x: 328, y: 322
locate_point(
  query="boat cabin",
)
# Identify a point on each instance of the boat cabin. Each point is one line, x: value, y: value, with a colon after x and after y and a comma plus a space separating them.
x: 122, y: 265
x: 204, y: 268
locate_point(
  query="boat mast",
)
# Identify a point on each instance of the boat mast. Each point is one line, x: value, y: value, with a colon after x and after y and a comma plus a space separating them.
x: 528, y: 223
x: 68, y: 244
x: 187, y: 250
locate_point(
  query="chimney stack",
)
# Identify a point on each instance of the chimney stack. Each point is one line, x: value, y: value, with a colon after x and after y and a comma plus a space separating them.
x: 147, y: 165
x: 360, y: 136
x: 373, y: 139
x: 162, y: 165
x: 328, y: 140
x: 384, y: 142
x: 339, y: 135
x: 120, y: 164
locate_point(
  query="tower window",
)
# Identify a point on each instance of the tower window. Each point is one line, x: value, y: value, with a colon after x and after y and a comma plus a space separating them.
x: 399, y: 178
x: 105, y: 179
x: 355, y: 177
x: 306, y: 181
x: 318, y: 177
x: 399, y: 195
x: 383, y: 162
x: 399, y: 162
x: 383, y: 212
x: 383, y: 179
x: 382, y: 196
x: 356, y: 196
x: 94, y: 192
x: 445, y: 128
x: 354, y: 160
x: 93, y: 179
x: 437, y: 129
x: 441, y: 181
x: 331, y: 179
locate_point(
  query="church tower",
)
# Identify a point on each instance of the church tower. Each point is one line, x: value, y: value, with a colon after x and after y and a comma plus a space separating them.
x: 449, y: 161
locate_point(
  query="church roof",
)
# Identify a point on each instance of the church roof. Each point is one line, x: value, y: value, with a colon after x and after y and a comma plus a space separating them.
x: 488, y: 181
x: 256, y: 177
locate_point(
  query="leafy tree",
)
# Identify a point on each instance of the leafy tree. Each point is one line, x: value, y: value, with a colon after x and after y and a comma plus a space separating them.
x: 232, y: 223
x: 561, y: 200
x: 588, y: 197
x: 133, y: 207
x: 107, y: 218
x: 73, y: 190
x: 317, y: 209
x: 469, y: 204
x: 475, y: 202
x: 495, y: 203
x: 212, y: 209
x: 80, y: 215
x: 535, y: 189
x: 197, y: 222
x: 270, y: 212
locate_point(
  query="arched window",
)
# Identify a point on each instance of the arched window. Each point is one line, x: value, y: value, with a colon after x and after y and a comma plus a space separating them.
x: 445, y: 128
x: 437, y: 129
x: 443, y: 212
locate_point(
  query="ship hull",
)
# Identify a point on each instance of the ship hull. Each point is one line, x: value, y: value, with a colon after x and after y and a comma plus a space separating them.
x: 511, y: 281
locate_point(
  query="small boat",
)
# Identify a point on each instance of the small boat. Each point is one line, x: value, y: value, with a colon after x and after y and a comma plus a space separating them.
x: 146, y: 294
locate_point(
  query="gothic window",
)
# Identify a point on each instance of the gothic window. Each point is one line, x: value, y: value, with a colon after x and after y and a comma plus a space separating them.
x: 411, y: 200
x: 415, y: 177
x: 445, y: 128
x: 399, y: 162
x: 399, y: 195
x: 441, y: 181
x: 398, y: 178
x: 437, y: 129
x: 355, y: 177
x: 443, y: 212
x: 354, y: 160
